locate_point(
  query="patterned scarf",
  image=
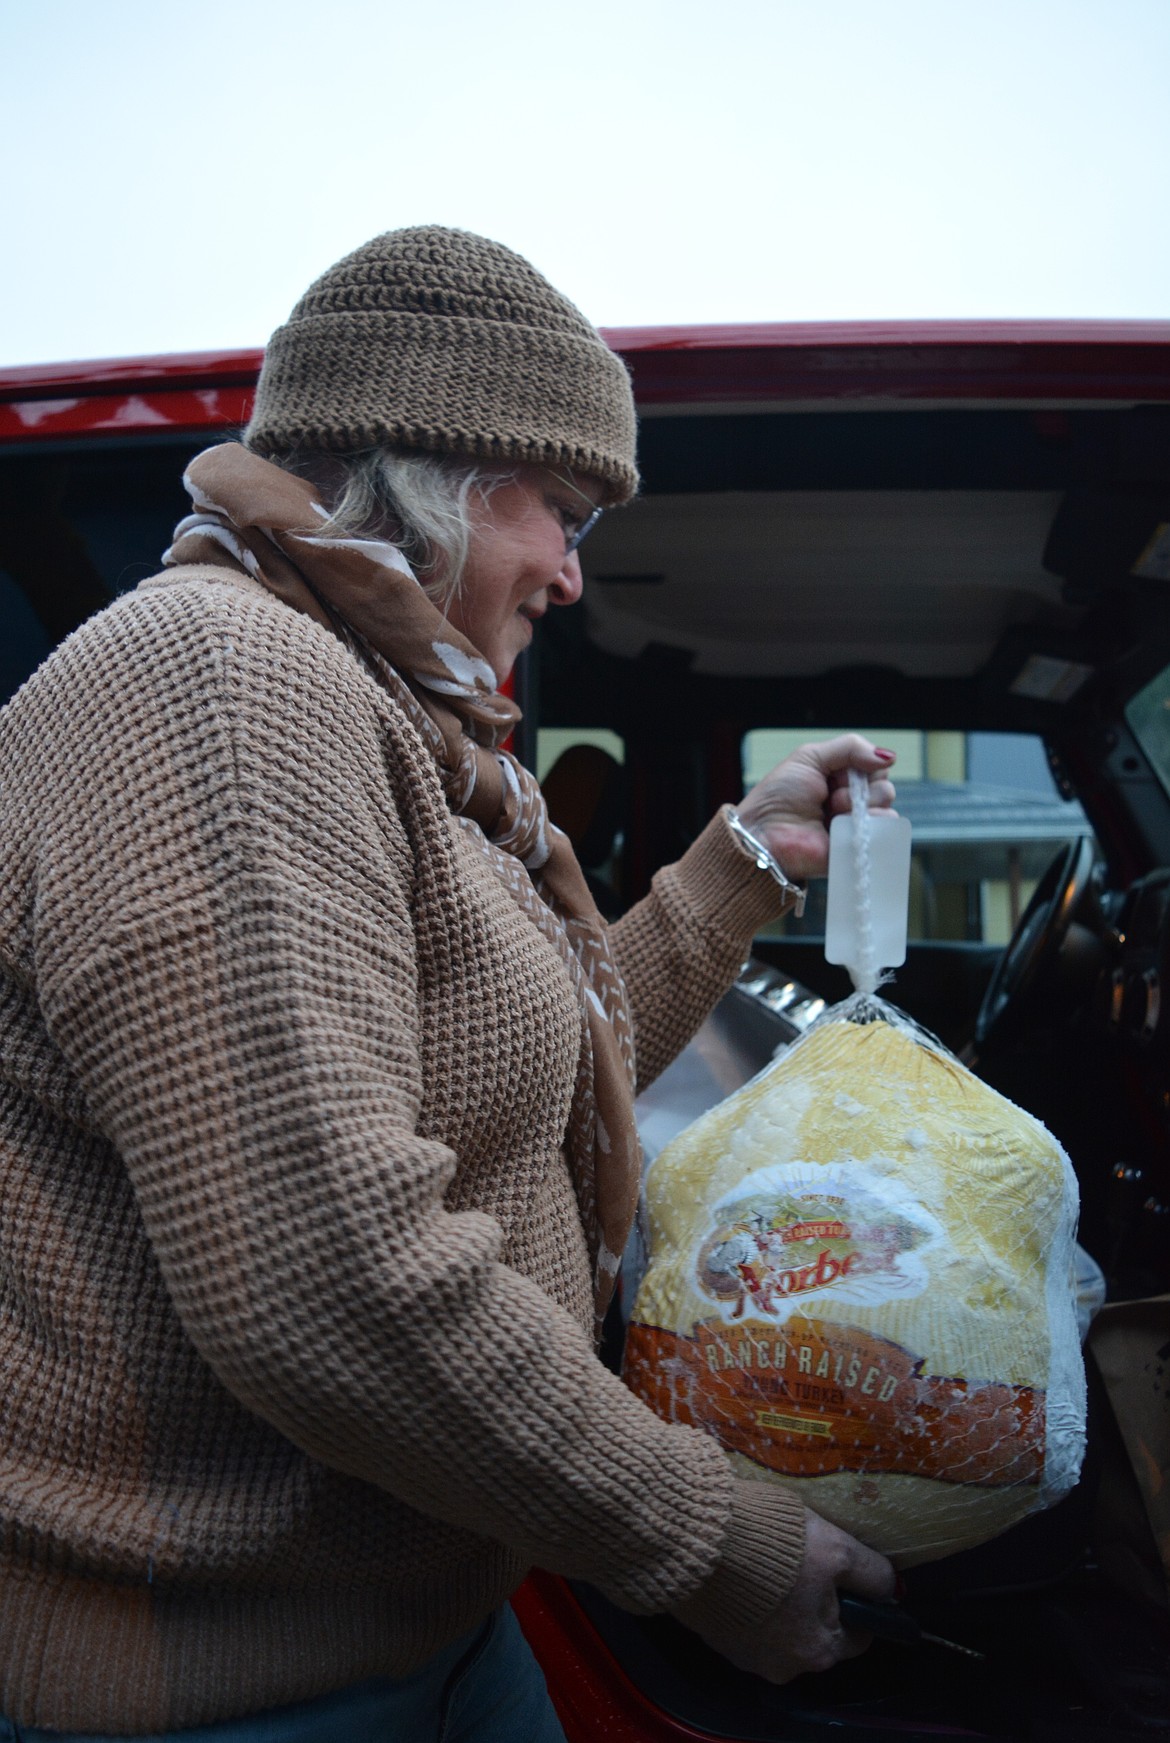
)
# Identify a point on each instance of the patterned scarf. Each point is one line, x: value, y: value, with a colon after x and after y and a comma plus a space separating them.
x: 251, y: 515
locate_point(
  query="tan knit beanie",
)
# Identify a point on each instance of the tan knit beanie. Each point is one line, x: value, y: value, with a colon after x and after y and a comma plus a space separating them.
x: 438, y: 339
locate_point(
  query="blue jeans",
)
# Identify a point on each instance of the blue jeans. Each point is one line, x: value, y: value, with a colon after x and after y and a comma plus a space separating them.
x: 485, y: 1688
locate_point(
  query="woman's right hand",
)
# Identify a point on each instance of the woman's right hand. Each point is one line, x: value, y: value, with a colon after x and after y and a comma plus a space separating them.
x: 804, y: 1632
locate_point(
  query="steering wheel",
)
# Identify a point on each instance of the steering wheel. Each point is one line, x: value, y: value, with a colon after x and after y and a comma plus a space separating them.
x: 1038, y: 936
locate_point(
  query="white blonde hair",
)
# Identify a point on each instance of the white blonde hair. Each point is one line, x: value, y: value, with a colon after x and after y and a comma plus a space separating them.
x: 423, y: 502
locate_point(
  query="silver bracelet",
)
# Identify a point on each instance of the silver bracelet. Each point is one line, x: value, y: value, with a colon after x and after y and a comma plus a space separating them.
x: 765, y: 861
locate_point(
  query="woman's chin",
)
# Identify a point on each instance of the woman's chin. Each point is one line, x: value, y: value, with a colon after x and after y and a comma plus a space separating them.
x: 501, y: 661
x: 503, y: 656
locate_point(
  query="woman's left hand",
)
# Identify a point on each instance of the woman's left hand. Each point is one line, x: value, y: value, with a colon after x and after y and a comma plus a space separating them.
x: 791, y: 808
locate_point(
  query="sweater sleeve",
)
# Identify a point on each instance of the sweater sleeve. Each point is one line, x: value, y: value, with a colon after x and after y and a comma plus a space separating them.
x: 239, y: 1005
x: 682, y: 946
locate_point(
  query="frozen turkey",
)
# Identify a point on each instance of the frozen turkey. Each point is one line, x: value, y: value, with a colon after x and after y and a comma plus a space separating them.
x: 860, y: 1281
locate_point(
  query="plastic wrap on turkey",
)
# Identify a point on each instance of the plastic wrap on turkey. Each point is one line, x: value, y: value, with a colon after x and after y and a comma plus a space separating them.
x: 860, y: 1281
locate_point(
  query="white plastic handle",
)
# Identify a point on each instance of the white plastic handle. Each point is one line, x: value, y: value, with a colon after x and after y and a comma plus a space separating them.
x: 869, y: 889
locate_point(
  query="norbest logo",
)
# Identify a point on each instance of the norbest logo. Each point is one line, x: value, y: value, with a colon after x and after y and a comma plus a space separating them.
x: 798, y: 1230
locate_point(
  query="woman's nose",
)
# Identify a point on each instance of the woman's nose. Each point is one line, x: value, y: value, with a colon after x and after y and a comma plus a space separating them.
x: 566, y: 589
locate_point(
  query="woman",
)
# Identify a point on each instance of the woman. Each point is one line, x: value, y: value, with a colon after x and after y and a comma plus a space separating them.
x: 318, y: 1142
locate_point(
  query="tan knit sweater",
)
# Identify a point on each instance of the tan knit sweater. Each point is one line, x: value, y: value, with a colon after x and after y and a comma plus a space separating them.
x: 295, y: 1371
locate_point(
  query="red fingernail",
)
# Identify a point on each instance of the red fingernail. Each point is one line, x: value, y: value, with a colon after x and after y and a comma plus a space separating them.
x: 887, y: 756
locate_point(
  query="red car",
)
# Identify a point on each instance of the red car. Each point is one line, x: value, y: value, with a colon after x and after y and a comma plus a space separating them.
x: 958, y: 534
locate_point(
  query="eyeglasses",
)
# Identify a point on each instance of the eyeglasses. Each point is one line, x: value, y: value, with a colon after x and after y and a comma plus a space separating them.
x: 586, y: 526
x: 572, y: 540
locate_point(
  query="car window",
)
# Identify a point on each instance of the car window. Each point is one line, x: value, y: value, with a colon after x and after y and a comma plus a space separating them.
x: 1148, y: 715
x: 553, y: 741
x: 77, y: 528
x: 582, y: 772
x: 986, y: 815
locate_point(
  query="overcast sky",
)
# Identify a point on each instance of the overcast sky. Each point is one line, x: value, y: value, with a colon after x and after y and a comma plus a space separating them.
x: 175, y: 175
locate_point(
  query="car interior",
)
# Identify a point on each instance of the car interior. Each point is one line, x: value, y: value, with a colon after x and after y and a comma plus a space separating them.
x: 988, y: 587
x: 984, y: 588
